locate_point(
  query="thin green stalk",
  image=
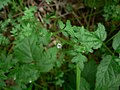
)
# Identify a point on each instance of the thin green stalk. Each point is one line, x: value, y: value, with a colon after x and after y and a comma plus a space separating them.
x: 37, y: 85
x: 57, y: 32
x: 110, y: 38
x: 64, y: 41
x: 108, y: 49
x: 78, y: 75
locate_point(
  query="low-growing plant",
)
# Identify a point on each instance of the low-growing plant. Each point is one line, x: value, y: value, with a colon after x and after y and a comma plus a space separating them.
x: 34, y: 57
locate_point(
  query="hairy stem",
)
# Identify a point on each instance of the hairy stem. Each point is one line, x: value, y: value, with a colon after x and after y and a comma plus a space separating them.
x: 78, y: 75
x: 108, y: 49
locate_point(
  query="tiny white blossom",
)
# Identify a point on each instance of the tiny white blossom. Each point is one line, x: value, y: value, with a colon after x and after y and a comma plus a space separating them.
x: 83, y: 51
x: 94, y: 7
x: 30, y: 81
x: 14, y: 78
x: 59, y: 45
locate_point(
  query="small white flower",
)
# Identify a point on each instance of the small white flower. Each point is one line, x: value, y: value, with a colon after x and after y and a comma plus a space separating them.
x: 83, y: 51
x: 14, y: 78
x: 94, y: 7
x: 30, y: 81
x: 59, y: 45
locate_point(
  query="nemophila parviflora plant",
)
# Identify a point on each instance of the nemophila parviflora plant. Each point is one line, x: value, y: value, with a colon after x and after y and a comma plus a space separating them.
x: 32, y: 63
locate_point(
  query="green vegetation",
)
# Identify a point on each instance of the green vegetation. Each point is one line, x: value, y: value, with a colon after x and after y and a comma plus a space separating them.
x: 59, y: 45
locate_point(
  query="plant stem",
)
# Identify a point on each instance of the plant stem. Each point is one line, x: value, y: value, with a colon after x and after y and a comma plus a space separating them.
x: 110, y: 38
x: 37, y: 85
x: 78, y: 75
x: 71, y: 44
x: 57, y: 32
x: 88, y: 24
x: 88, y: 15
x: 108, y: 49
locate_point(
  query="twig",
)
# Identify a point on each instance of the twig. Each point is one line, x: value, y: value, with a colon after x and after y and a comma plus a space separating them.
x: 75, y: 15
x: 84, y: 17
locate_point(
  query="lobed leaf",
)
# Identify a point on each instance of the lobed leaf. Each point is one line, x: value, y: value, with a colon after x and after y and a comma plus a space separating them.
x: 107, y: 73
x: 61, y: 24
x: 92, y: 39
x: 27, y: 51
x: 90, y: 70
x: 84, y: 85
x: 4, y: 3
x: 116, y: 42
x: 80, y: 59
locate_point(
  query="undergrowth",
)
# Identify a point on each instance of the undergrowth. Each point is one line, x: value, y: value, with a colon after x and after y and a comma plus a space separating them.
x: 57, y: 48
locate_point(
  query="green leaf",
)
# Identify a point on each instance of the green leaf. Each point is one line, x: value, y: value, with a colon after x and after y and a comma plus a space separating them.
x: 61, y: 24
x: 47, y: 60
x: 27, y: 51
x: 29, y: 13
x: 114, y: 85
x: 80, y: 59
x: 106, y: 73
x: 4, y: 40
x: 91, y: 40
x: 4, y: 3
x: 24, y: 74
x: 65, y: 34
x: 101, y: 33
x: 84, y: 85
x: 2, y: 84
x: 89, y: 72
x: 6, y: 62
x: 69, y: 29
x: 2, y: 78
x: 118, y: 60
x: 116, y: 42
x: 44, y: 36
